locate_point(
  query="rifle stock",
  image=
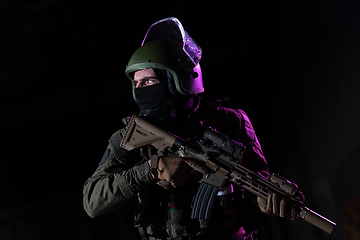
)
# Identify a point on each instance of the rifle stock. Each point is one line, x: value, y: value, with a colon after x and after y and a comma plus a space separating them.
x: 140, y: 133
x: 223, y: 156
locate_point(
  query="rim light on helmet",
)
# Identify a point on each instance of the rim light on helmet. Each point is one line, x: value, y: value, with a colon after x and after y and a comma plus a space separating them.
x: 172, y: 29
x: 167, y: 46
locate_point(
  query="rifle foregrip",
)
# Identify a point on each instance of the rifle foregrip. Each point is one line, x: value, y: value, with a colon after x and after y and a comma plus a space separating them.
x: 317, y: 220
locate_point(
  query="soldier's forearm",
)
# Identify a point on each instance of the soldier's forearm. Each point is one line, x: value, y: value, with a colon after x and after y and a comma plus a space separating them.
x: 104, y: 193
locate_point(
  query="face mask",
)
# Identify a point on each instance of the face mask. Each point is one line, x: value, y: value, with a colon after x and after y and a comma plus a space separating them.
x: 152, y: 96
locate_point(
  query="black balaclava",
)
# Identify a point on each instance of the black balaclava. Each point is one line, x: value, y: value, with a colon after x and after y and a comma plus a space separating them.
x: 152, y: 96
x: 156, y: 101
x: 161, y: 101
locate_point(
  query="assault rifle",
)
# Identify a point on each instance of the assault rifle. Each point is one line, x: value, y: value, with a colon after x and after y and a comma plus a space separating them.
x: 223, y: 156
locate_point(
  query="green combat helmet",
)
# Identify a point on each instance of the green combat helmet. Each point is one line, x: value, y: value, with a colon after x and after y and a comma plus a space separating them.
x: 167, y: 46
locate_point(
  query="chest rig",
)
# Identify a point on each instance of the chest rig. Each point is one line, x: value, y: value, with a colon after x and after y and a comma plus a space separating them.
x: 176, y: 213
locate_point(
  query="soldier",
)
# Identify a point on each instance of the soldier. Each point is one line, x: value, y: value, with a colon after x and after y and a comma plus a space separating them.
x: 167, y: 80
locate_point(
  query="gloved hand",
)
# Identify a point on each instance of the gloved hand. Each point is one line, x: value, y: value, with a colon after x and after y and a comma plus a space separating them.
x: 276, y: 206
x: 175, y: 170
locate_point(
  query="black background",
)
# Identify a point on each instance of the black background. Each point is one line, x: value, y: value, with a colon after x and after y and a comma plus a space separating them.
x: 293, y: 66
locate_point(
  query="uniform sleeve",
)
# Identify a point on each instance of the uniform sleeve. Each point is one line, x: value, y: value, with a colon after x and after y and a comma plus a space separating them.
x: 237, y: 125
x: 254, y: 158
x: 117, y: 180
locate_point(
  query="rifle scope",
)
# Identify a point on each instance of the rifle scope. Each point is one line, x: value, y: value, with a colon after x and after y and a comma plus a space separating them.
x: 223, y: 142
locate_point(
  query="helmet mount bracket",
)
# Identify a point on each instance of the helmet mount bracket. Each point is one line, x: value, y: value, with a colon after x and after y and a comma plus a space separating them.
x: 186, y: 62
